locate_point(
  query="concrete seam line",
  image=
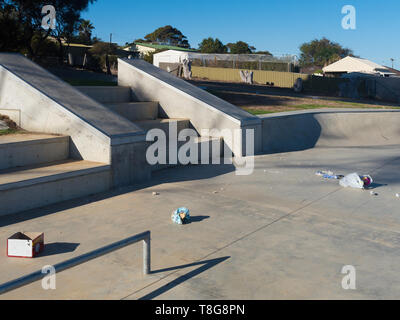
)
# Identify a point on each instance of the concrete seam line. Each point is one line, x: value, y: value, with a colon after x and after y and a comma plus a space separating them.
x: 59, y: 105
x: 70, y: 263
x: 212, y: 108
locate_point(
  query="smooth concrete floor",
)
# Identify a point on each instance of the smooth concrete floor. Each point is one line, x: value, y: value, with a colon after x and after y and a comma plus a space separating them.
x: 280, y: 233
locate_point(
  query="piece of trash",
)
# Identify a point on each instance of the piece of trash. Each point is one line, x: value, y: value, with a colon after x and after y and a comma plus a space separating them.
x: 25, y: 244
x: 215, y: 192
x: 322, y: 172
x: 373, y: 193
x: 180, y: 216
x: 354, y: 180
x: 155, y: 194
x: 328, y: 175
x: 397, y: 195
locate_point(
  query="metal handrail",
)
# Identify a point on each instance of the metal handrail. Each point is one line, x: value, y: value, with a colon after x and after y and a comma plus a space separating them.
x: 32, y: 277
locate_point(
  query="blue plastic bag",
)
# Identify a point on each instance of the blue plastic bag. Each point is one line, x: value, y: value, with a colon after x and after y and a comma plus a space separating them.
x: 180, y: 216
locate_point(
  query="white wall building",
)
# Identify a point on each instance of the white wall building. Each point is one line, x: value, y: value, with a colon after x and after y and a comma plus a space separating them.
x: 356, y: 65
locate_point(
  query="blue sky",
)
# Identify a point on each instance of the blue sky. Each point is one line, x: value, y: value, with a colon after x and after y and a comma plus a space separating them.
x: 279, y: 26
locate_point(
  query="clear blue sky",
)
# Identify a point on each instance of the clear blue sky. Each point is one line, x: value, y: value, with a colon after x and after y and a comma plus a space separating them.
x: 279, y: 26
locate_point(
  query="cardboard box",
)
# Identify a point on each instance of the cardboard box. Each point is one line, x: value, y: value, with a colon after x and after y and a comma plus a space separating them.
x: 25, y: 244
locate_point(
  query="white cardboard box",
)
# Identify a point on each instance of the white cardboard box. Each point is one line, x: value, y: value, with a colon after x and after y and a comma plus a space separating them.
x: 25, y: 244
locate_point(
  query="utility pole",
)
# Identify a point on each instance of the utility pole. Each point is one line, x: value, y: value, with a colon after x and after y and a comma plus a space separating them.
x: 391, y: 59
x: 107, y: 58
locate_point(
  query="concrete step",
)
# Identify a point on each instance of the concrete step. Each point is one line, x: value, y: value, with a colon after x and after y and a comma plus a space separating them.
x: 36, y: 186
x: 164, y: 124
x: 204, y: 146
x: 136, y: 111
x: 17, y: 150
x: 104, y: 94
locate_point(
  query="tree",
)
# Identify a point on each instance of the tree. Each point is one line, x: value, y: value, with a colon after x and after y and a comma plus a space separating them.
x: 240, y: 47
x: 85, y: 31
x: 27, y: 14
x: 322, y: 52
x: 168, y: 35
x: 10, y: 30
x: 104, y: 54
x: 266, y: 52
x: 211, y: 45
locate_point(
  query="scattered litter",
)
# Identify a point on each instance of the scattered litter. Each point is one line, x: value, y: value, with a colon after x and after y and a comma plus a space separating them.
x: 25, y: 244
x: 353, y: 180
x: 373, y: 193
x: 215, y: 192
x: 156, y: 194
x: 180, y: 216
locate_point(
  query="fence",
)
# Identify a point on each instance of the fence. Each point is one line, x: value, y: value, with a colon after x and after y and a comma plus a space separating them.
x: 272, y: 78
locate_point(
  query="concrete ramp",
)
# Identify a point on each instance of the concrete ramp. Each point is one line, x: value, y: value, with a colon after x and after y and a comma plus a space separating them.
x: 48, y: 104
x: 44, y: 103
x: 300, y: 130
x: 180, y: 99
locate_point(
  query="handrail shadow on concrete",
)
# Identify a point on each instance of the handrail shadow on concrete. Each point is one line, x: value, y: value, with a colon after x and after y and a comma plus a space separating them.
x: 205, y: 265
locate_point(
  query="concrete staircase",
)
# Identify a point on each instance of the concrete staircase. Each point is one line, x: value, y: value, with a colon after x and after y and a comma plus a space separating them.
x: 146, y: 115
x: 35, y: 170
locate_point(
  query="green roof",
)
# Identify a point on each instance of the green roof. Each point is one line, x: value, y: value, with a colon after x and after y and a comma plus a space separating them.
x: 162, y: 46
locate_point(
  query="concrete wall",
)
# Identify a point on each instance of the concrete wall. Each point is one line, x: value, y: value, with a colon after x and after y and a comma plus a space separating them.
x: 49, y: 105
x: 179, y: 99
x: 300, y: 130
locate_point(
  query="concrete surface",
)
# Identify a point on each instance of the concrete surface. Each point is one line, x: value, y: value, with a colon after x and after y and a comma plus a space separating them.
x: 35, y: 186
x: 180, y: 99
x: 280, y: 233
x: 135, y: 111
x: 50, y: 105
x: 300, y: 130
x: 17, y: 150
x: 107, y: 94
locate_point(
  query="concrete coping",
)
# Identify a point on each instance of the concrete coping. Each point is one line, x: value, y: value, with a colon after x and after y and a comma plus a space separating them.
x: 322, y: 111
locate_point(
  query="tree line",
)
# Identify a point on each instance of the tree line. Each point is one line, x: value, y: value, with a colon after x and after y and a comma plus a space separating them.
x: 21, y: 31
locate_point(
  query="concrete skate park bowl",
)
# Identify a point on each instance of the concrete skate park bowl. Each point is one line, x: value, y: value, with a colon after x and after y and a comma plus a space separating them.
x: 301, y: 130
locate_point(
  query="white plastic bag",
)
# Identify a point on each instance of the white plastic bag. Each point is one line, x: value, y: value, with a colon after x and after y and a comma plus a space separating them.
x: 352, y: 180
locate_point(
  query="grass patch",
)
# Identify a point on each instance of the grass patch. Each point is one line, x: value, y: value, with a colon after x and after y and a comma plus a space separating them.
x: 8, y: 131
x: 311, y: 106
x: 94, y: 83
x: 260, y: 111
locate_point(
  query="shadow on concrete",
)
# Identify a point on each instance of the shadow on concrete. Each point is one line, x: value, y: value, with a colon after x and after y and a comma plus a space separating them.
x: 205, y: 265
x: 198, y: 218
x: 169, y: 175
x: 376, y: 185
x: 290, y: 133
x: 54, y: 248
